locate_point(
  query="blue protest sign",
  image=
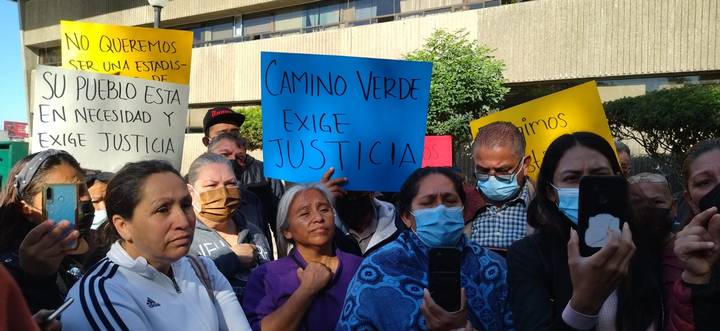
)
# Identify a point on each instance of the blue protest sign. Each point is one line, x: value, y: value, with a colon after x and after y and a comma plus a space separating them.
x: 364, y: 117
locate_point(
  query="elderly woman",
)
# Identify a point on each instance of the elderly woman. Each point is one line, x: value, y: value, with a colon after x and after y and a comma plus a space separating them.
x: 304, y: 290
x: 147, y: 282
x: 224, y: 233
x: 388, y: 293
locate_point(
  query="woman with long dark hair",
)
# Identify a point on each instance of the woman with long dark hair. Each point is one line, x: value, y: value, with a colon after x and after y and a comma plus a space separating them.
x: 551, y: 286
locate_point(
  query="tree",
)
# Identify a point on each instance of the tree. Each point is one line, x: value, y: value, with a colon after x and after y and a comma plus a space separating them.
x: 666, y: 123
x: 467, y: 83
x: 252, y: 127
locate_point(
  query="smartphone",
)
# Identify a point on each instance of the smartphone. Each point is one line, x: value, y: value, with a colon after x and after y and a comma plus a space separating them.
x: 444, y: 277
x: 60, y: 309
x: 60, y: 203
x: 711, y: 199
x: 602, y: 206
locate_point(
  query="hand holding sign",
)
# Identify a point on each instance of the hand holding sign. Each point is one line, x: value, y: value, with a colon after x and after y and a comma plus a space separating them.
x: 364, y: 117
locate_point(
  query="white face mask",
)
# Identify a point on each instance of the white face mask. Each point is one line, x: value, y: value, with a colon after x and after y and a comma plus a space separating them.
x: 101, y: 217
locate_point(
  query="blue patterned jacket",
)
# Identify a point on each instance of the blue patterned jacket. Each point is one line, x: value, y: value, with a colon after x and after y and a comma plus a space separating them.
x: 387, y: 290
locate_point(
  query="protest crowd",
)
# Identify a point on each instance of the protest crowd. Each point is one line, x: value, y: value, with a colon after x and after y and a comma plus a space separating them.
x: 355, y: 234
x: 153, y: 249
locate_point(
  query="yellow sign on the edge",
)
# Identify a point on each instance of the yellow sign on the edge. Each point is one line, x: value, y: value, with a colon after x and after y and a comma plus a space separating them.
x: 542, y: 120
x: 157, y: 54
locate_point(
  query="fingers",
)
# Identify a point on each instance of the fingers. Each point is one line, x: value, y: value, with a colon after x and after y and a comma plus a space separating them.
x: 463, y: 299
x: 703, y: 218
x: 59, y: 236
x: 693, y: 247
x: 573, y: 247
x: 37, y: 233
x: 327, y: 175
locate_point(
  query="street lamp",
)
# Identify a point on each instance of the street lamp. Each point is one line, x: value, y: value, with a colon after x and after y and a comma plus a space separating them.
x: 158, y: 6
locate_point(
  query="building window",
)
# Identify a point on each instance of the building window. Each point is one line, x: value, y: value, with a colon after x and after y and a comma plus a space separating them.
x: 257, y: 24
x: 324, y: 15
x: 50, y: 56
x: 289, y: 20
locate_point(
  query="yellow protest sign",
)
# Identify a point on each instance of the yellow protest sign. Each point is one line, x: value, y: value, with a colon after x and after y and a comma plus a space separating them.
x: 157, y: 54
x: 542, y: 120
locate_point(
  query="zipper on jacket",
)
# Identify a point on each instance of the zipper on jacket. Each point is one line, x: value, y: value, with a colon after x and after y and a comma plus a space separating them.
x: 177, y: 288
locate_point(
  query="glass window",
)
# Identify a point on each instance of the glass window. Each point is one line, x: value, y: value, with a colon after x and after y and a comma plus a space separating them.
x: 50, y: 56
x: 258, y: 24
x: 238, y: 26
x: 329, y: 14
x: 289, y: 20
x: 364, y: 9
x: 222, y: 30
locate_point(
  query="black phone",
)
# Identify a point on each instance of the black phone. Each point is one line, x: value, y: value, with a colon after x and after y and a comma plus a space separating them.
x: 444, y: 277
x: 711, y: 199
x: 603, y: 205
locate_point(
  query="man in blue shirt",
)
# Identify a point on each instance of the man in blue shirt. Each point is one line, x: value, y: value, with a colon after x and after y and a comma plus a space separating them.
x: 501, y: 167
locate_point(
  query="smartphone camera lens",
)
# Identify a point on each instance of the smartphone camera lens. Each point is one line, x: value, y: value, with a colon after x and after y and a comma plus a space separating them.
x: 48, y: 193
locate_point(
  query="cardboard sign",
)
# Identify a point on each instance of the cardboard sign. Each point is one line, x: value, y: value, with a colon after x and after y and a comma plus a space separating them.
x: 438, y: 151
x: 364, y: 117
x: 542, y: 120
x: 105, y: 121
x: 157, y: 54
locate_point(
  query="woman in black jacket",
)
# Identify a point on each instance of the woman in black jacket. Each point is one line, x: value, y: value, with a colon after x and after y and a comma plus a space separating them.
x: 551, y: 286
x: 36, y: 251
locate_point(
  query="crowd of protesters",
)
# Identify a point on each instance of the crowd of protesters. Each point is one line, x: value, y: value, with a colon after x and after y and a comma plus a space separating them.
x: 225, y: 248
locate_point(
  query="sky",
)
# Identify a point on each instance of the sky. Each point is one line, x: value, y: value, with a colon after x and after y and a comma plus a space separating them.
x: 12, y: 86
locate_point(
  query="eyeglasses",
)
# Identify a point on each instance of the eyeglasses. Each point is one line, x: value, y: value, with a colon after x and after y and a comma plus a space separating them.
x: 502, y: 177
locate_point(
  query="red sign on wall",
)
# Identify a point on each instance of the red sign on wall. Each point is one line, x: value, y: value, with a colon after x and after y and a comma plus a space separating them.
x: 437, y: 151
x: 16, y: 130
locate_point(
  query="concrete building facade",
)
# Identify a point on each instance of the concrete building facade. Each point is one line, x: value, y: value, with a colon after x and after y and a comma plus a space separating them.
x: 630, y: 46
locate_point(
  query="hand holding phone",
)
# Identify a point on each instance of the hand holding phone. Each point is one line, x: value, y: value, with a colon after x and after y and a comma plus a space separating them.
x: 60, y: 203
x: 444, y: 277
x: 603, y: 207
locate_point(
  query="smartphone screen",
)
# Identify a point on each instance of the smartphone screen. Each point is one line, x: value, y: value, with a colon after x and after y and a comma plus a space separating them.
x: 603, y: 207
x: 60, y: 203
x: 444, y: 277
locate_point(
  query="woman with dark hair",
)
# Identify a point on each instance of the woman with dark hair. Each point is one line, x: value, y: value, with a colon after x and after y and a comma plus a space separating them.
x: 38, y: 252
x: 147, y: 282
x: 698, y: 244
x: 551, y: 286
x: 389, y: 291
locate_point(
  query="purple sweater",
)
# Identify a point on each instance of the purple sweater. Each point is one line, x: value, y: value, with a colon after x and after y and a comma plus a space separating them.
x: 271, y: 284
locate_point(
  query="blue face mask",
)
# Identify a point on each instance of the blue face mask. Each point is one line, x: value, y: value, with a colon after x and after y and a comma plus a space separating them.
x: 497, y: 190
x: 439, y: 226
x: 568, y: 202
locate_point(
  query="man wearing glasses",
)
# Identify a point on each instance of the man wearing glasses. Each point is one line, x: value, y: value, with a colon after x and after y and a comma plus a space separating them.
x: 501, y: 179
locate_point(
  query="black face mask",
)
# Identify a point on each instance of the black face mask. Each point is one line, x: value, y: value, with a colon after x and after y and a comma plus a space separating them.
x: 658, y: 223
x: 85, y: 218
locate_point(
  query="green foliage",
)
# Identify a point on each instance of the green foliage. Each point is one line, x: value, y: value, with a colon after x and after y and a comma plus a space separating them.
x: 252, y: 128
x: 467, y: 82
x: 666, y: 123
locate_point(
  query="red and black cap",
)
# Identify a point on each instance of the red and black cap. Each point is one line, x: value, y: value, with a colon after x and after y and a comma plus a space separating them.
x: 221, y: 115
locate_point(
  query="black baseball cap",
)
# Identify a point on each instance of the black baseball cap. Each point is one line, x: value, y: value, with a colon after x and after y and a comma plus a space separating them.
x: 221, y: 115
